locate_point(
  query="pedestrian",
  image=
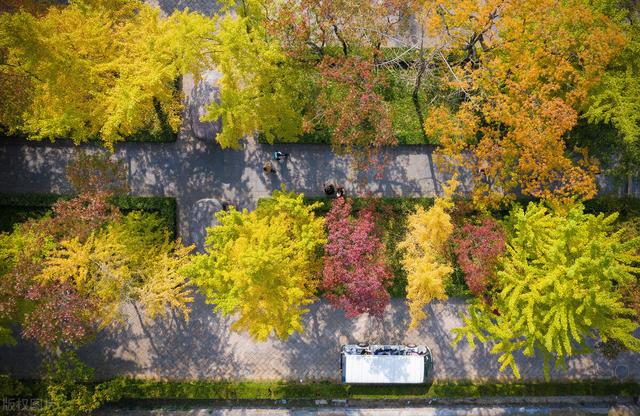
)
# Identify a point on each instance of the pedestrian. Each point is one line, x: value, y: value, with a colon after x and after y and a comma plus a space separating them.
x: 268, y: 168
x: 279, y: 156
x: 339, y: 192
x: 329, y: 189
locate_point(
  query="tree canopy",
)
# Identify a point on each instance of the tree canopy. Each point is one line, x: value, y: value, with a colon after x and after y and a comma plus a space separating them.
x: 263, y: 265
x: 97, y: 69
x: 355, y: 275
x: 68, y: 274
x: 426, y: 258
x: 559, y: 285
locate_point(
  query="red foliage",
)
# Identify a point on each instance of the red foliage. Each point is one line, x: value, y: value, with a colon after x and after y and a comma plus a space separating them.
x: 359, y: 116
x: 355, y: 275
x: 477, y: 249
x: 80, y: 216
x: 57, y: 312
x: 61, y: 315
x: 348, y: 100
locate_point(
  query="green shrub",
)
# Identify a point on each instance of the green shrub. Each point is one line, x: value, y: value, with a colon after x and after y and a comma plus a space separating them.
x: 148, y: 389
x: 69, y: 391
x: 16, y: 208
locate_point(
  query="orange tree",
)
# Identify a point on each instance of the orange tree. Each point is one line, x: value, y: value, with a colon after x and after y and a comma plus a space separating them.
x: 517, y: 75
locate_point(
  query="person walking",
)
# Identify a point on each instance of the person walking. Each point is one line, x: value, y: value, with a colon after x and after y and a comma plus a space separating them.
x: 279, y: 156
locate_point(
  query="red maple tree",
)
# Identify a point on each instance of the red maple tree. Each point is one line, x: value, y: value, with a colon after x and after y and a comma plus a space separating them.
x: 355, y: 276
x: 478, y: 248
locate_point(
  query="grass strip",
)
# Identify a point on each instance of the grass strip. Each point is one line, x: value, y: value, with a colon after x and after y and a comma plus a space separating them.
x: 146, y: 389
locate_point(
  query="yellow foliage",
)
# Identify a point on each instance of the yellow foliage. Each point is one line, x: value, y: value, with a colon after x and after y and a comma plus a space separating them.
x: 165, y: 287
x: 98, y: 69
x: 129, y: 261
x: 425, y: 259
x: 523, y: 70
x: 263, y: 265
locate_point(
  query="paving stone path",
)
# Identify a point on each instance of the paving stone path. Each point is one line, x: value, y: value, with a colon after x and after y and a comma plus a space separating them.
x: 201, y: 176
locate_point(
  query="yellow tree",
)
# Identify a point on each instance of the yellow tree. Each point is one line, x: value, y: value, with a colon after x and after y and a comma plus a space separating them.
x: 97, y: 69
x: 263, y: 265
x: 129, y: 260
x: 425, y: 258
x: 516, y: 74
x: 262, y: 90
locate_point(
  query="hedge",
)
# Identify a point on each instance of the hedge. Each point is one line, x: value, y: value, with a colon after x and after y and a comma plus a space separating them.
x: 16, y: 208
x: 144, y: 390
x: 141, y: 389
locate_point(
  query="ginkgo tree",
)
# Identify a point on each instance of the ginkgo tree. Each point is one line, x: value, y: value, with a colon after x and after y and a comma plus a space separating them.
x: 64, y: 276
x: 515, y: 76
x: 426, y: 258
x: 262, y: 90
x: 97, y: 69
x: 558, y: 286
x: 290, y: 68
x: 263, y: 265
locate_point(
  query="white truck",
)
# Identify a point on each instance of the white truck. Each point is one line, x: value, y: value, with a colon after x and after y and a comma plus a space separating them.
x: 385, y: 364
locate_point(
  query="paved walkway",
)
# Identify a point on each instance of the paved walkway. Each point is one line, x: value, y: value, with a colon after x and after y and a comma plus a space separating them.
x: 193, y: 169
x: 206, y: 348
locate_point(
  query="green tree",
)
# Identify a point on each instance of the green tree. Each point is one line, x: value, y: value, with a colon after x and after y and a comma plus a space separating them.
x: 558, y: 286
x: 97, y: 68
x: 262, y: 90
x: 263, y: 265
x: 70, y: 388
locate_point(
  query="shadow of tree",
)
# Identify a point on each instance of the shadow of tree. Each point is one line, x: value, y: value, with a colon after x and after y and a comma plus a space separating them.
x: 171, y: 348
x: 22, y: 360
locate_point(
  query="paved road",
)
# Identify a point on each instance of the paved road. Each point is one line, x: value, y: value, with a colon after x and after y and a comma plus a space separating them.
x: 194, y: 169
x: 399, y: 411
x: 206, y: 348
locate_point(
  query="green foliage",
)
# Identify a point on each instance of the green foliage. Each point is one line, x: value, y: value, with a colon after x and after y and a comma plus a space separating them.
x: 261, y: 89
x: 406, y: 123
x: 17, y: 208
x: 68, y: 392
x: 102, y: 69
x: 206, y: 390
x: 615, y: 101
x: 10, y: 387
x: 263, y: 264
x: 558, y: 286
